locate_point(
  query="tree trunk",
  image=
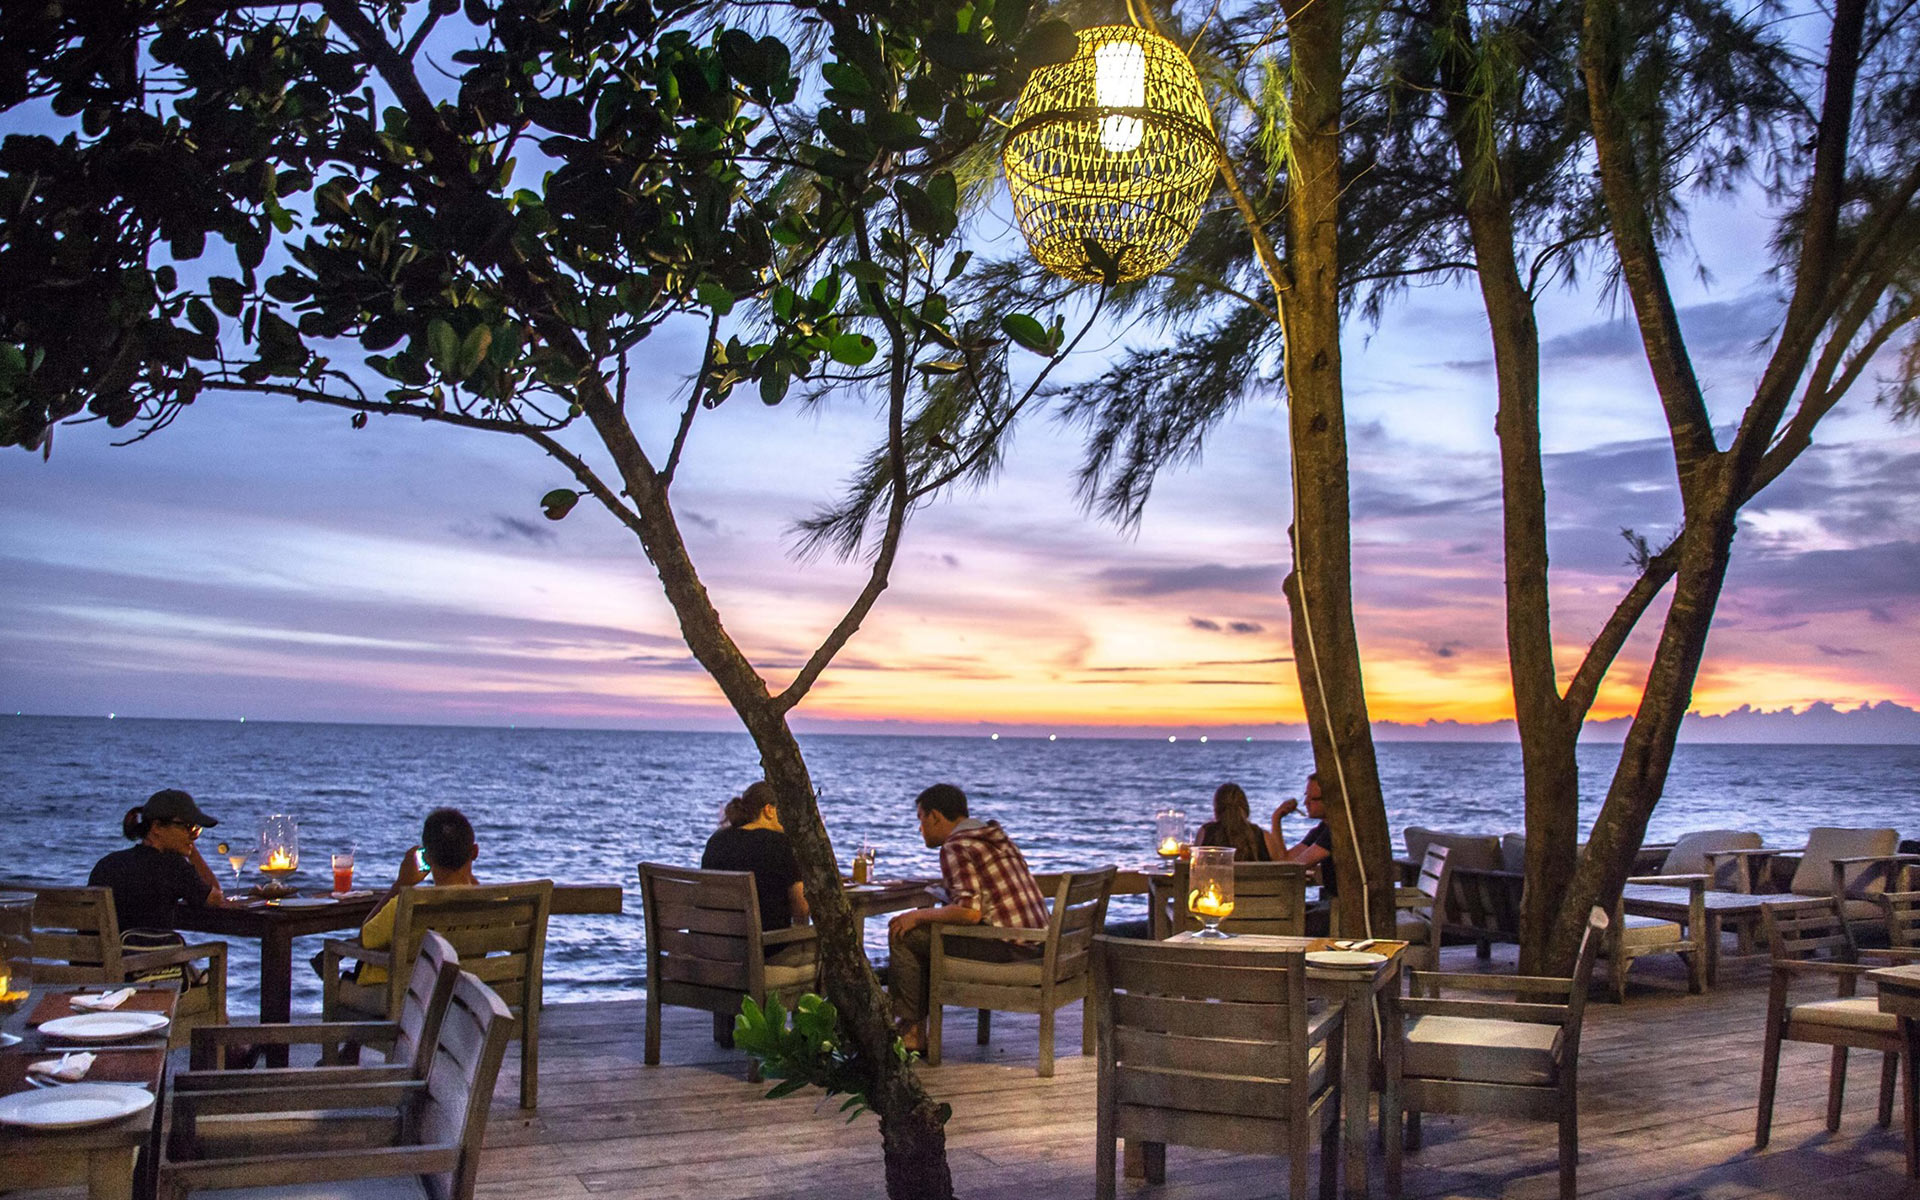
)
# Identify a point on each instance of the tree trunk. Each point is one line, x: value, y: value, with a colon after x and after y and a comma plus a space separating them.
x: 1549, y: 732
x: 1320, y: 591
x: 1706, y: 548
x: 912, y: 1132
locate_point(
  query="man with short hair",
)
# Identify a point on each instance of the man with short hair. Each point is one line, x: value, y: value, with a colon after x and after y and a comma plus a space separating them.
x: 987, y: 883
x: 448, y: 848
x: 1317, y: 846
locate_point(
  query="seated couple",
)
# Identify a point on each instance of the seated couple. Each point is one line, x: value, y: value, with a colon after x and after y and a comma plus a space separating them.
x: 985, y: 876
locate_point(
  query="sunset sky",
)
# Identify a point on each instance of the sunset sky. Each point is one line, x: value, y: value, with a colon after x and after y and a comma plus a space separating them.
x: 264, y: 560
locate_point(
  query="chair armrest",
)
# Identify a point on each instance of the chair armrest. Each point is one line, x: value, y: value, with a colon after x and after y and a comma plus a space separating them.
x: 1326, y: 1023
x: 267, y: 1096
x: 1493, y: 1010
x: 1840, y: 866
x: 338, y: 948
x: 1751, y: 862
x: 304, y: 1078
x: 992, y: 933
x: 1532, y: 984
x: 1410, y: 897
x: 1670, y: 880
x: 174, y: 956
x: 373, y: 1162
x: 209, y: 1039
x: 789, y: 935
x: 1834, y: 969
x: 1894, y: 954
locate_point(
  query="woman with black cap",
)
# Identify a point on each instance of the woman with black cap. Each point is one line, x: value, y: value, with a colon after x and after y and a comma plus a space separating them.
x: 162, y: 871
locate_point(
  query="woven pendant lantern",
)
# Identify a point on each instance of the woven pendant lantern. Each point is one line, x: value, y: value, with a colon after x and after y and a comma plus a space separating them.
x: 1115, y: 146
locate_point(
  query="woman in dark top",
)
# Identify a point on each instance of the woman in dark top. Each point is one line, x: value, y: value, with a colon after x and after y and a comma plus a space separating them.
x: 752, y: 840
x: 1233, y: 826
x: 162, y: 871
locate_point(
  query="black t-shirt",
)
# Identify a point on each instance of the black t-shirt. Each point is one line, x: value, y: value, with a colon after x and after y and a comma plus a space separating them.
x: 1322, y: 837
x: 766, y: 853
x: 148, y: 885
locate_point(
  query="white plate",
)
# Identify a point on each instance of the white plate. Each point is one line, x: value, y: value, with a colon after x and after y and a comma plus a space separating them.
x: 9, y: 1039
x: 104, y: 1027
x: 74, y: 1106
x: 1345, y: 959
x: 305, y: 902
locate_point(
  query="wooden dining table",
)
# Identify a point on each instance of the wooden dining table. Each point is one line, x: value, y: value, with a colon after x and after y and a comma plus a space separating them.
x: 1357, y: 992
x: 1899, y: 994
x: 105, y: 1158
x: 274, y: 925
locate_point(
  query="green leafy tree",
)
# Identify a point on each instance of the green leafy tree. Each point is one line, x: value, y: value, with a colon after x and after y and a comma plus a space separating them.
x: 476, y: 213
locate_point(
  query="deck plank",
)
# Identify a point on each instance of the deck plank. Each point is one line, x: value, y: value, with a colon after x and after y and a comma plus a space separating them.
x: 1668, y: 1086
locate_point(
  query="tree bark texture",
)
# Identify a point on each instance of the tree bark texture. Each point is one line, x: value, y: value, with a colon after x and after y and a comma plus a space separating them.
x: 1549, y: 733
x: 1320, y: 591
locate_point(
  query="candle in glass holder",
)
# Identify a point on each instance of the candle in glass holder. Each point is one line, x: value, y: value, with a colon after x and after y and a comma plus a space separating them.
x: 1170, y: 832
x: 1210, y: 888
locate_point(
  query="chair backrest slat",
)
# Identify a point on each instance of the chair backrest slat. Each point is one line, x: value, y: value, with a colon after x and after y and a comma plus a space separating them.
x: 460, y: 1078
x: 1903, y: 919
x: 424, y: 1004
x: 498, y: 931
x: 76, y: 934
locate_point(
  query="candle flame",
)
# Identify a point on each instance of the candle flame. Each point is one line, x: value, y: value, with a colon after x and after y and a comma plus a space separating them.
x: 1170, y: 847
x: 279, y: 860
x: 1210, y: 903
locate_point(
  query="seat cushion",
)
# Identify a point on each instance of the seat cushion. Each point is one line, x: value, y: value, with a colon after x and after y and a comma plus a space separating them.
x: 790, y: 976
x: 1814, y: 876
x: 1648, y: 931
x: 1855, y: 1012
x: 1689, y: 854
x: 1465, y: 851
x: 1482, y: 1049
x: 1021, y: 972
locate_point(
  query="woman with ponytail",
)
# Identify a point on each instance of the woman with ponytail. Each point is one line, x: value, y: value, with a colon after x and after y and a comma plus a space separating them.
x: 752, y: 840
x: 162, y: 871
x: 1232, y: 825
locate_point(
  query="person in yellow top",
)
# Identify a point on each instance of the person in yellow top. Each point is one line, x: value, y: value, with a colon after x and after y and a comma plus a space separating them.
x: 446, y: 852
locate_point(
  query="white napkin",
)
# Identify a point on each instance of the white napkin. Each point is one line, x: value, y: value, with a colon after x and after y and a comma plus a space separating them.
x: 105, y: 1003
x: 68, y: 1068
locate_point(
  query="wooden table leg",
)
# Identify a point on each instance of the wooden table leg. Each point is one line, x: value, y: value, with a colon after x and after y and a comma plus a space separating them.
x: 1356, y: 1083
x: 110, y: 1172
x: 1393, y: 1037
x: 1713, y: 949
x: 276, y: 987
x: 1910, y: 1095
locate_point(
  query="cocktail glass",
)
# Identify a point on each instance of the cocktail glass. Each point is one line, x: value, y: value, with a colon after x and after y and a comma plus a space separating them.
x: 343, y: 872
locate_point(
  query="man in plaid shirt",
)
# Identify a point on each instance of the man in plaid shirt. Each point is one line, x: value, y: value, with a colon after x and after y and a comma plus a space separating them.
x: 987, y: 883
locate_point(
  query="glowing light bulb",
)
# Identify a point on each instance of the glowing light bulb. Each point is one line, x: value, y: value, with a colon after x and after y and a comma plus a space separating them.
x: 1120, y: 81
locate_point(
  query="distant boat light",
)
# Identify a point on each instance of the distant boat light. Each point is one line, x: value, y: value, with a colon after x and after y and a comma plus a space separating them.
x: 996, y: 737
x: 1171, y: 738
x: 1203, y: 739
x: 1053, y: 737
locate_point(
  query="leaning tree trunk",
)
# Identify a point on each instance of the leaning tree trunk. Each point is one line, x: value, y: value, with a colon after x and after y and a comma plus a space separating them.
x: 1706, y: 547
x: 1320, y: 589
x: 913, y: 1137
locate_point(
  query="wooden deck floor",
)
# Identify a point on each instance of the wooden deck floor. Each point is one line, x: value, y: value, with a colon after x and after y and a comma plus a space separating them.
x: 1668, y: 1084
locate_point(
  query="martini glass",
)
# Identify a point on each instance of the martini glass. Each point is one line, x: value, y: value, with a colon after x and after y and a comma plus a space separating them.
x: 237, y: 859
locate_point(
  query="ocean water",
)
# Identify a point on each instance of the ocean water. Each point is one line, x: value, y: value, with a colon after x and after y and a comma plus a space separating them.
x: 587, y: 806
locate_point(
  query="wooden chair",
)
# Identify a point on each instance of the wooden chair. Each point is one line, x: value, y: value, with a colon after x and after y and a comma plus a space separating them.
x: 406, y: 1040
x: 76, y: 939
x: 1854, y: 865
x: 1417, y: 911
x: 1205, y: 1045
x: 1059, y: 975
x: 422, y: 1136
x: 1267, y: 898
x: 1517, y: 1058
x: 706, y: 950
x: 1813, y: 939
x: 500, y: 933
x: 1903, y: 919
x: 1633, y: 935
